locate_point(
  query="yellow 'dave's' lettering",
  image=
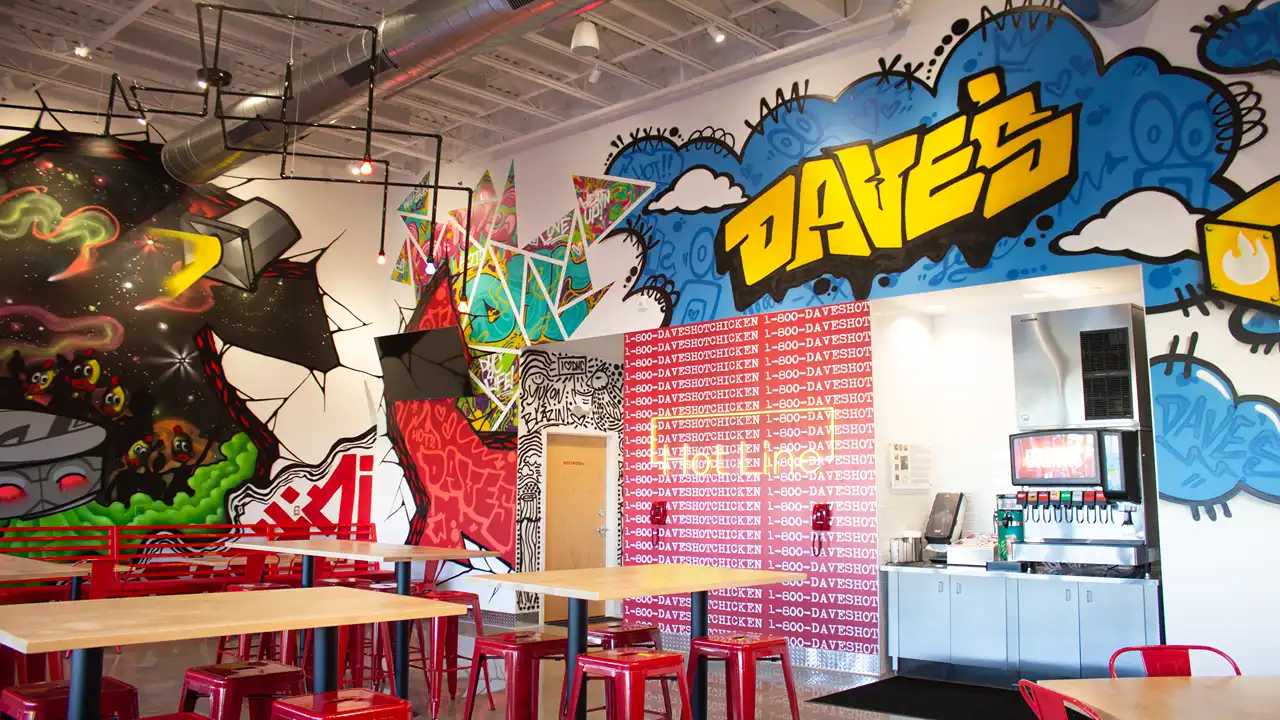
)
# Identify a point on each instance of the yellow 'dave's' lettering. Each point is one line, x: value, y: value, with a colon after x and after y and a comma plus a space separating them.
x: 876, y: 183
x: 1029, y: 149
x: 764, y: 231
x: 998, y: 153
x: 825, y: 218
x: 944, y: 187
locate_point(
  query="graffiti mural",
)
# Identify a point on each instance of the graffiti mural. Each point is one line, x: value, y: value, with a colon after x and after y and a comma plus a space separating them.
x: 558, y: 391
x: 167, y: 352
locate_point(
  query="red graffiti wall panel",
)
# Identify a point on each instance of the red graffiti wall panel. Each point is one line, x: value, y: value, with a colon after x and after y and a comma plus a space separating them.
x: 470, y: 488
x: 741, y: 427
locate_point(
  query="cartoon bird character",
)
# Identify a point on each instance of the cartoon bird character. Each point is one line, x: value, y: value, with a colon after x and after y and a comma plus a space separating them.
x: 142, y: 455
x: 181, y: 448
x: 112, y: 400
x: 84, y: 374
x: 39, y: 384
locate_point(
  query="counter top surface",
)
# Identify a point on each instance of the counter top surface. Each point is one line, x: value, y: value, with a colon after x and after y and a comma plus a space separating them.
x: 974, y: 570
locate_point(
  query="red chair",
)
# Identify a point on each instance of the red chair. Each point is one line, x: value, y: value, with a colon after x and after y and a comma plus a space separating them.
x: 445, y: 660
x: 352, y: 704
x: 627, y: 670
x: 269, y: 648
x: 1169, y: 660
x: 617, y: 634
x: 229, y: 686
x: 19, y: 669
x: 522, y: 654
x: 1050, y: 705
x: 49, y: 700
x: 741, y: 652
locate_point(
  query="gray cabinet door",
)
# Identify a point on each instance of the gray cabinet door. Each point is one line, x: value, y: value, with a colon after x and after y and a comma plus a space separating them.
x: 924, y: 616
x: 1048, y: 629
x: 979, y: 621
x: 1111, y: 617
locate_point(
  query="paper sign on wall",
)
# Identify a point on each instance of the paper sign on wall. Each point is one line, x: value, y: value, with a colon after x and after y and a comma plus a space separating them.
x: 910, y: 466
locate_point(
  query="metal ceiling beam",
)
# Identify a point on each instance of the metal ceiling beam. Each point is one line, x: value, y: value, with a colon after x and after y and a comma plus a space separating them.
x: 193, y: 35
x: 604, y: 65
x: 542, y: 79
x: 503, y: 100
x: 725, y: 24
x: 649, y: 42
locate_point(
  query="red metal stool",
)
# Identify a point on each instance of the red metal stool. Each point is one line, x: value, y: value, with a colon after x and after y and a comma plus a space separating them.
x: 521, y: 653
x: 49, y: 700
x: 269, y: 647
x: 627, y: 670
x: 19, y: 669
x: 1169, y: 660
x: 444, y: 645
x: 351, y: 582
x: 1047, y: 704
x: 229, y: 686
x: 383, y: 665
x: 741, y: 652
x: 353, y: 704
x: 616, y: 634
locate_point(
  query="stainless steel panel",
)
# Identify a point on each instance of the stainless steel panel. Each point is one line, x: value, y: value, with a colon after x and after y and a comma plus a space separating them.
x: 1111, y: 617
x: 1086, y: 553
x: 1048, y: 380
x: 979, y: 623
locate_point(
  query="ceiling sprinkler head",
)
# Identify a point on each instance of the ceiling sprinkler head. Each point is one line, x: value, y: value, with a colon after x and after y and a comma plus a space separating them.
x: 586, y: 40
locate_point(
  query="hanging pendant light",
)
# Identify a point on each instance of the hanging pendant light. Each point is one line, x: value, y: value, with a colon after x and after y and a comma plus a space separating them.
x: 586, y: 40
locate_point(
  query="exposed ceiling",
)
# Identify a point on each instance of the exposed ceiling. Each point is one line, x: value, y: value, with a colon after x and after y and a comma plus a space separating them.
x: 524, y: 87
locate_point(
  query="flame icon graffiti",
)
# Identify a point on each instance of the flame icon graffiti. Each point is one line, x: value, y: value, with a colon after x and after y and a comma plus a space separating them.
x: 1248, y: 263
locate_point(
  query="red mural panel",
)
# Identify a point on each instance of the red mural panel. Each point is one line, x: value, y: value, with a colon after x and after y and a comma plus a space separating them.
x: 470, y: 489
x: 741, y: 427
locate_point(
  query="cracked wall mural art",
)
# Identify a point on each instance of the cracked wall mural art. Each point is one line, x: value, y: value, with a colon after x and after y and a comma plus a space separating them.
x: 146, y: 376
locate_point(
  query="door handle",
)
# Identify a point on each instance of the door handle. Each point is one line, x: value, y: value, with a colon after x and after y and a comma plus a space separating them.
x: 940, y: 586
x: 1068, y: 594
x: 1088, y: 596
x: 958, y: 586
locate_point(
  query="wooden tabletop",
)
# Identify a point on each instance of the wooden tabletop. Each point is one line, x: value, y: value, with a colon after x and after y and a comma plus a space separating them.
x: 222, y: 561
x: 14, y: 568
x: 358, y: 550
x: 70, y: 625
x: 1250, y: 697
x: 635, y: 581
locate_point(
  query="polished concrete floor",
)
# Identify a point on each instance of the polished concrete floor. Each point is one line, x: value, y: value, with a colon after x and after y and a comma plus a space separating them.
x: 157, y: 671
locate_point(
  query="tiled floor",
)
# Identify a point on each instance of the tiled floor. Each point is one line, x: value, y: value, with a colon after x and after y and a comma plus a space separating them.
x: 157, y: 671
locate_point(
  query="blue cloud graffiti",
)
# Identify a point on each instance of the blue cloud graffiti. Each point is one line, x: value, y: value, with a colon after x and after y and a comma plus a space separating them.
x: 1143, y: 123
x: 1241, y: 41
x: 1212, y: 442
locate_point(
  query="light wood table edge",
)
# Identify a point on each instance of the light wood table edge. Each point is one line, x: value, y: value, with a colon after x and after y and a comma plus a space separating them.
x: 270, y: 546
x: 505, y: 580
x: 101, y: 639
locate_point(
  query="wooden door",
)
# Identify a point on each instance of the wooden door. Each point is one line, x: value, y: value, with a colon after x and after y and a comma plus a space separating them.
x: 576, y: 511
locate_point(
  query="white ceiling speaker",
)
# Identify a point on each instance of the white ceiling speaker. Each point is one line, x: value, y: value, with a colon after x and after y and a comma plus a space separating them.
x: 586, y: 40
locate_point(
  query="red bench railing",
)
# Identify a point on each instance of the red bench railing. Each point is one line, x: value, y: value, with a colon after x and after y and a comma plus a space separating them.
x: 165, y: 560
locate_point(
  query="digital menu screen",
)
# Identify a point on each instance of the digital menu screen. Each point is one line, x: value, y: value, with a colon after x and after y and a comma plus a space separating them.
x: 1055, y: 458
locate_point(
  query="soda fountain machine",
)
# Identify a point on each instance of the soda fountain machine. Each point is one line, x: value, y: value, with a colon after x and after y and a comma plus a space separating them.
x: 1082, y: 462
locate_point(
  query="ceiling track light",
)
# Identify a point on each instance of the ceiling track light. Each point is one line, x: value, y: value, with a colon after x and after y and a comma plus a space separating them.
x: 594, y: 77
x: 82, y: 51
x: 215, y: 77
x: 716, y: 34
x: 586, y: 39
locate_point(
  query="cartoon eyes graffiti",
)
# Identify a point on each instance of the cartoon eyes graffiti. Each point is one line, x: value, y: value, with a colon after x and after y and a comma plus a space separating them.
x: 42, y: 378
x: 181, y: 445
x: 72, y: 481
x: 85, y: 373
x: 10, y: 493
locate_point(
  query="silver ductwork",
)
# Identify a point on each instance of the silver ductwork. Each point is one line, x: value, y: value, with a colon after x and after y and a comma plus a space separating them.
x: 1109, y: 13
x: 417, y: 43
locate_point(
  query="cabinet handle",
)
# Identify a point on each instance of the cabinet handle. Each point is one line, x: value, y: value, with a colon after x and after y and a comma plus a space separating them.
x: 940, y: 586
x: 1088, y: 596
x: 957, y: 588
x: 1068, y: 594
